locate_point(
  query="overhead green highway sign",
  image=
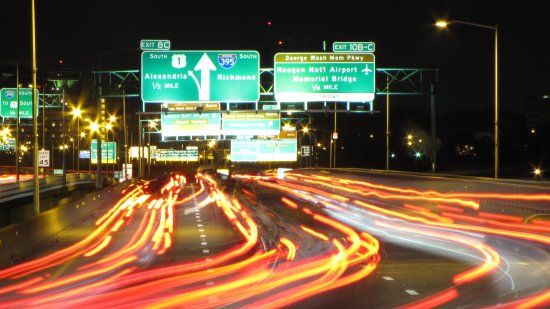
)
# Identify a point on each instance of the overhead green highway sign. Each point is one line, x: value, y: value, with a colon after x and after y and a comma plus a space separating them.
x: 8, y: 102
x: 191, y: 76
x: 353, y: 47
x: 343, y: 77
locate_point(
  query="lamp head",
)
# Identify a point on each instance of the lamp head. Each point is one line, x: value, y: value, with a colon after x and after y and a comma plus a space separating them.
x: 441, y: 23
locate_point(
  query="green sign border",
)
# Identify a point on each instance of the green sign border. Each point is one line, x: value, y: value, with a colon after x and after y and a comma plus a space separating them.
x: 318, y: 77
x: 189, y: 76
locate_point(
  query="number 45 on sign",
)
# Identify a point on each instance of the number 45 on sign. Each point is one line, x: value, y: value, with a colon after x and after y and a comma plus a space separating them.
x: 43, y: 158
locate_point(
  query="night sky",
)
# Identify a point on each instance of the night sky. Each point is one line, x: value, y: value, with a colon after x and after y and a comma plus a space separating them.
x: 403, y: 31
x: 79, y: 32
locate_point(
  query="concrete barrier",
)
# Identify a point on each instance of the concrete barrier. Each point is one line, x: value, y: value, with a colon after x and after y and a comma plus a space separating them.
x: 21, y: 239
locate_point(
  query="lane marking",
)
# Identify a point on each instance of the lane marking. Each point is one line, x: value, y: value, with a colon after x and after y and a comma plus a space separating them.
x: 412, y: 292
x: 388, y: 278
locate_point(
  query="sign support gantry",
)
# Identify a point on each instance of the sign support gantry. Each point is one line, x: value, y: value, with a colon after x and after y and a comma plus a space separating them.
x: 409, y: 82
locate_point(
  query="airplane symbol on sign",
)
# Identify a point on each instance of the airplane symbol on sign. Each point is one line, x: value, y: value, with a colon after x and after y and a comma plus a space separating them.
x: 366, y: 69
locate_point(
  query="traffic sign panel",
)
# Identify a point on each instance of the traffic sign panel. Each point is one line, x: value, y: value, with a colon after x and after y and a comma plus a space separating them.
x: 154, y: 44
x: 108, y: 152
x: 251, y: 123
x: 351, y: 47
x: 43, y: 158
x: 344, y: 77
x: 190, y: 124
x: 191, y: 76
x: 8, y: 102
x: 263, y: 150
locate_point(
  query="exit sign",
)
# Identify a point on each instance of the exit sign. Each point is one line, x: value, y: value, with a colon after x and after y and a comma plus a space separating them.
x: 155, y: 45
x: 351, y: 47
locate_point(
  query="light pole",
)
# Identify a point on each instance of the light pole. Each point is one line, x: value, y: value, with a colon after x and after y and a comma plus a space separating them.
x: 77, y: 113
x: 63, y: 148
x: 72, y: 144
x: 125, y: 134
x: 36, y: 183
x: 94, y: 127
x: 152, y: 126
x: 108, y: 127
x: 444, y: 24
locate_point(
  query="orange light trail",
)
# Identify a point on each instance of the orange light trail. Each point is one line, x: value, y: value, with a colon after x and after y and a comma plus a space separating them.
x: 100, y: 247
x: 289, y: 203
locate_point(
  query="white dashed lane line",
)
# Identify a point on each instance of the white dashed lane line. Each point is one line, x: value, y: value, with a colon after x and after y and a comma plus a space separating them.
x: 411, y: 292
x: 202, y: 235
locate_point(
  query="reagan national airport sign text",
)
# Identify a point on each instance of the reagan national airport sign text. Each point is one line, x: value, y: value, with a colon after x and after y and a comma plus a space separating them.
x: 343, y: 77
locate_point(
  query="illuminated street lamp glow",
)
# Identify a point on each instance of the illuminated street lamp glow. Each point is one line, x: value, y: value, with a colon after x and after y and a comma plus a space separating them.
x: 76, y: 112
x: 441, y: 24
x: 94, y: 127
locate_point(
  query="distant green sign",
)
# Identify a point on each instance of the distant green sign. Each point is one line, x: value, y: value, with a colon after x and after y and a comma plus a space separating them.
x: 7, y: 144
x: 251, y: 123
x: 175, y: 155
x: 191, y: 76
x: 263, y: 150
x: 190, y: 124
x: 343, y: 77
x: 108, y: 152
x: 154, y: 45
x: 8, y: 102
x: 353, y: 47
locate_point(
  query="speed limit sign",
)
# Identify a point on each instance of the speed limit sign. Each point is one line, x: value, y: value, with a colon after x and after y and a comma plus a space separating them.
x: 43, y: 158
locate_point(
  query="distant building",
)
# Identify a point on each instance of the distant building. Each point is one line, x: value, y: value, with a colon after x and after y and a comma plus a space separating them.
x: 537, y: 110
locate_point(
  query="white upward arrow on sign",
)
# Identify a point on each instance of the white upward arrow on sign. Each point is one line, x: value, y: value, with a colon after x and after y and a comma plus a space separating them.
x: 205, y: 65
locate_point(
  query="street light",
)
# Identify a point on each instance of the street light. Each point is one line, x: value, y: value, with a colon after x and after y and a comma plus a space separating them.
x: 108, y: 127
x: 77, y: 113
x: 94, y: 128
x: 444, y: 24
x: 152, y: 126
x: 72, y: 144
x: 305, y: 131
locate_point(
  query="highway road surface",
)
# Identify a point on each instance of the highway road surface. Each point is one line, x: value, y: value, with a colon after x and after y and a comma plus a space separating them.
x: 315, y: 239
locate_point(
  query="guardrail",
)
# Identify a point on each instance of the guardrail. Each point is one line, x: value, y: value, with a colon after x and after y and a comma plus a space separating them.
x: 13, y: 191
